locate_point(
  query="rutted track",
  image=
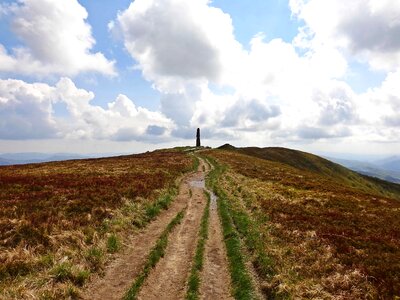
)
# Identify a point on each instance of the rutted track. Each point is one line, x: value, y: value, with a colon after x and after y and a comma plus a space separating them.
x: 168, y: 278
x: 128, y: 265
x: 215, y: 278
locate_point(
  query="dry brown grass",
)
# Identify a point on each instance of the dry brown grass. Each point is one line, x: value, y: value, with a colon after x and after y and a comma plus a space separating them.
x: 327, y: 240
x: 60, y: 221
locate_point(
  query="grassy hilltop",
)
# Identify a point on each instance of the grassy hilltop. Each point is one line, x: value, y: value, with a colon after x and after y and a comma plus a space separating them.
x: 309, y: 228
x: 60, y: 221
x: 327, y: 232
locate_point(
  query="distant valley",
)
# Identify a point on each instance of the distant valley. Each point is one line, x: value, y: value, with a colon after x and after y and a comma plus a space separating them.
x: 387, y: 169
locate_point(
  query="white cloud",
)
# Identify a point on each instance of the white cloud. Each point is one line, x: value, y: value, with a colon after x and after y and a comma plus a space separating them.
x: 186, y: 47
x: 367, y: 29
x: 275, y: 91
x: 176, y: 41
x: 122, y: 120
x: 380, y: 110
x: 56, y: 40
x: 27, y: 112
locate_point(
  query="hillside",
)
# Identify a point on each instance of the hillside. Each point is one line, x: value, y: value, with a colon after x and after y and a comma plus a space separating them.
x: 60, y: 221
x: 326, y: 232
x: 186, y: 223
x: 322, y: 167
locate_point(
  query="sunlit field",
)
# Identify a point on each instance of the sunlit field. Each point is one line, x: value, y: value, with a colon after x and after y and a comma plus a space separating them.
x: 325, y: 237
x: 60, y: 221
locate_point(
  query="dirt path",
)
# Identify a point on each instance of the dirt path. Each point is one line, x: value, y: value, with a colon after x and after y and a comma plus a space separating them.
x: 168, y: 279
x: 215, y: 278
x: 120, y: 274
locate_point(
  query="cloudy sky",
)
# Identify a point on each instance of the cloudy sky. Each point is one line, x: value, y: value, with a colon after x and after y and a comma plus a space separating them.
x: 122, y: 76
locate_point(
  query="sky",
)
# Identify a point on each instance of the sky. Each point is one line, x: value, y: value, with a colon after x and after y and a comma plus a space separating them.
x: 129, y: 76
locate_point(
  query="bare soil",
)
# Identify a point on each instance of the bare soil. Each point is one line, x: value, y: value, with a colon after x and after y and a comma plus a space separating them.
x: 120, y: 274
x: 215, y: 279
x: 168, y: 279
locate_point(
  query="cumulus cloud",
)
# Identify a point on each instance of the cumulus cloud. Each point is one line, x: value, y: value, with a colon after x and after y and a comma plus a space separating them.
x: 27, y: 112
x: 367, y: 29
x: 315, y: 133
x: 248, y: 115
x: 380, y: 107
x: 178, y: 41
x: 336, y: 105
x: 56, y: 40
x: 275, y: 90
x: 292, y: 90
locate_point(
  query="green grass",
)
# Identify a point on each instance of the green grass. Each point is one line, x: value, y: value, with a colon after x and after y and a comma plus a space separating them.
x: 65, y: 271
x: 95, y: 257
x: 313, y: 227
x: 194, y: 278
x: 249, y: 232
x: 243, y: 288
x: 156, y: 253
x: 152, y: 210
x: 162, y: 203
x: 113, y: 243
x: 196, y: 163
x: 62, y: 272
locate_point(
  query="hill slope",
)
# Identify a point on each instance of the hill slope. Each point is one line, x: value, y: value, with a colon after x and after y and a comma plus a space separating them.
x: 327, y: 232
x: 61, y: 221
x: 312, y: 163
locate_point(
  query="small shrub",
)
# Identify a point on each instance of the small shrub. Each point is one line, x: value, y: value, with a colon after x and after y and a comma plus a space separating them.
x: 81, y: 277
x: 152, y: 211
x: 71, y: 292
x: 89, y: 235
x: 112, y: 243
x: 46, y: 260
x: 15, y: 268
x: 62, y: 272
x: 94, y: 257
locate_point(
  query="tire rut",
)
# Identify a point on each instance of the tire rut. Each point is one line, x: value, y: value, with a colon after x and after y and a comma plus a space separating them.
x: 168, y: 279
x: 128, y: 264
x: 215, y: 278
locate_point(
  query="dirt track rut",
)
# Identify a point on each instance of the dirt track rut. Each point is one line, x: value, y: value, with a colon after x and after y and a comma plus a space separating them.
x: 215, y: 278
x: 168, y: 279
x: 120, y: 274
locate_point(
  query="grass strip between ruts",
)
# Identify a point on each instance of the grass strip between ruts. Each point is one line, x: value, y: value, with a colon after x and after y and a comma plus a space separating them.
x: 243, y: 288
x: 194, y: 278
x: 156, y: 253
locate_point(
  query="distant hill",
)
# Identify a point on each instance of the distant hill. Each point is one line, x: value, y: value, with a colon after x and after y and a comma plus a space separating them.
x: 312, y: 163
x: 391, y: 163
x: 227, y: 147
x: 7, y: 159
x: 370, y: 169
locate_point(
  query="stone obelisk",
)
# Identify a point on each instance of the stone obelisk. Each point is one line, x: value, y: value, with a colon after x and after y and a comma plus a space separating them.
x: 198, y: 138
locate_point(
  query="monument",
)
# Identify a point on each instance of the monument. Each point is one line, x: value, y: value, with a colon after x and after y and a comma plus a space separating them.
x: 198, y: 138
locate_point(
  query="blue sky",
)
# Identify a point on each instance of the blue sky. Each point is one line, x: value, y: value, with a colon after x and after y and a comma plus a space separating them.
x: 121, y: 75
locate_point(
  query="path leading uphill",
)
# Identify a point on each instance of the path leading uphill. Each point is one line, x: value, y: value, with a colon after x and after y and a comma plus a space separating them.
x: 215, y: 277
x: 168, y: 279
